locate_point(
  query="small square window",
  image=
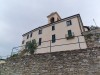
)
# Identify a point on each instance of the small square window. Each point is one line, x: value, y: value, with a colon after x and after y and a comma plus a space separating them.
x: 53, y: 27
x: 69, y: 23
x: 40, y: 31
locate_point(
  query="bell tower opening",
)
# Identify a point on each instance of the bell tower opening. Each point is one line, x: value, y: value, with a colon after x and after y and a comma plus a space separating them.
x: 53, y: 17
x: 52, y: 20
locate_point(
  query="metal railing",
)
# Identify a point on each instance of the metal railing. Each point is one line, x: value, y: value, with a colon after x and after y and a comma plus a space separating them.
x: 16, y: 50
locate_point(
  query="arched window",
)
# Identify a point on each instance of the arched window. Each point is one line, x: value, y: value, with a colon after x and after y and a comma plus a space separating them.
x: 52, y: 20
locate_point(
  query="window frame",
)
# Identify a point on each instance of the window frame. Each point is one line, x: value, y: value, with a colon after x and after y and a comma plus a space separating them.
x: 69, y: 22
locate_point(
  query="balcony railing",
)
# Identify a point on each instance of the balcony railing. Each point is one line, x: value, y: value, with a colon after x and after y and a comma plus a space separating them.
x: 67, y: 36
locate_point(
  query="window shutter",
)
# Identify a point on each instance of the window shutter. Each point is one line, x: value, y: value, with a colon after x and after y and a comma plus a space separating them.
x: 40, y: 39
x: 53, y: 38
x: 69, y: 33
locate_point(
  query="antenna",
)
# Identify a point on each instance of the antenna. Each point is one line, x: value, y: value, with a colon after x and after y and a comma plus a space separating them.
x: 94, y: 22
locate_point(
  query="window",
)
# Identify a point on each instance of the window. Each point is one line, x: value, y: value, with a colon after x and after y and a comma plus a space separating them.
x: 40, y: 39
x: 27, y: 36
x: 23, y: 42
x: 69, y: 23
x: 53, y: 38
x: 27, y: 42
x: 40, y: 31
x: 52, y: 20
x: 31, y: 34
x: 69, y: 33
x: 53, y: 27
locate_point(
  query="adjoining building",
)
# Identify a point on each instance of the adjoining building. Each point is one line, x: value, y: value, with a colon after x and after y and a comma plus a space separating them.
x: 58, y: 35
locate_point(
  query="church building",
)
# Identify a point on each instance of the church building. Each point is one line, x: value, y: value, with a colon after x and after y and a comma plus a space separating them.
x: 58, y: 35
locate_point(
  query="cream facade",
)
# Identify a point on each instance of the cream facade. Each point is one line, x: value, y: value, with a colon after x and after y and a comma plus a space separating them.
x: 58, y: 35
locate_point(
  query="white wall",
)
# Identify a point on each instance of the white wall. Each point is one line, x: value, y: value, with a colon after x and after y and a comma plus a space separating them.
x: 60, y: 31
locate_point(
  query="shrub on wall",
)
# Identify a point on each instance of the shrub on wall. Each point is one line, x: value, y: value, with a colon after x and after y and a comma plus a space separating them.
x: 88, y: 36
x: 14, y: 56
x: 31, y: 46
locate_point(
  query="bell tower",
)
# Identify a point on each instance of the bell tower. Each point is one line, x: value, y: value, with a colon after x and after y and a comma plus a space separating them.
x: 53, y: 17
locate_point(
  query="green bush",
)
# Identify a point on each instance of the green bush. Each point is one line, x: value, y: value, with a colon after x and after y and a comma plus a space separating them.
x: 14, y: 55
x: 31, y: 46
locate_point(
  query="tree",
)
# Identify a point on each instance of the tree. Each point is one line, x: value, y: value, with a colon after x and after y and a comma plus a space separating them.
x: 31, y: 46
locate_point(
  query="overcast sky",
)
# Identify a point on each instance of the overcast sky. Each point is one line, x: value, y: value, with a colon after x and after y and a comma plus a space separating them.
x: 19, y: 16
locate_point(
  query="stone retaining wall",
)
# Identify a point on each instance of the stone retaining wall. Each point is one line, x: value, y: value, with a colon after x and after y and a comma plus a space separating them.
x: 92, y: 38
x: 76, y: 62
